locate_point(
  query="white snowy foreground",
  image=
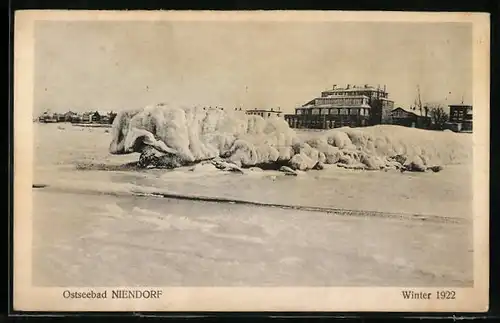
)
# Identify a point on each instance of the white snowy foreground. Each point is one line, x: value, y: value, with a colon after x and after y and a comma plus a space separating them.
x: 102, y: 222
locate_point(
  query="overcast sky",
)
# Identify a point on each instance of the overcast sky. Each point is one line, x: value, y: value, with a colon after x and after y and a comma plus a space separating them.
x: 118, y: 65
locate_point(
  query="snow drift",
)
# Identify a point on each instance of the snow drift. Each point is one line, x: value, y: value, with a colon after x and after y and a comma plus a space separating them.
x: 178, y: 136
x: 175, y: 136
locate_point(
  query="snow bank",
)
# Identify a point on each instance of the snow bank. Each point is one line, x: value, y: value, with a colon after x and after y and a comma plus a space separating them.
x: 173, y: 136
x: 182, y: 136
x: 387, y: 146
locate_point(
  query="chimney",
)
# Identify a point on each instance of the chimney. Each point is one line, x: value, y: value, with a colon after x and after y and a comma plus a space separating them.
x: 334, y: 86
x: 348, y: 86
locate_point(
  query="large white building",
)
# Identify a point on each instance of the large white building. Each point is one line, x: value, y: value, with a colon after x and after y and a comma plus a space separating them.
x: 354, y: 106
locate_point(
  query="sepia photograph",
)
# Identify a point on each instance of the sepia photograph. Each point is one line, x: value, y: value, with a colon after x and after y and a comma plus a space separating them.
x: 201, y: 161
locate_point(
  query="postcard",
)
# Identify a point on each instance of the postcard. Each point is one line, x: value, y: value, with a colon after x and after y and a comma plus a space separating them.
x: 251, y: 161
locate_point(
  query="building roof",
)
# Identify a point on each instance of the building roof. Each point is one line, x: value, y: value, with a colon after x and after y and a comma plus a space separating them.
x: 336, y: 106
x: 415, y: 112
x: 100, y: 112
x: 262, y: 110
x: 350, y: 96
x: 311, y: 102
x: 355, y: 88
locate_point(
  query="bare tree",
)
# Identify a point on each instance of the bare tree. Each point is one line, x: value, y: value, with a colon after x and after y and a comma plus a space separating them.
x: 438, y: 116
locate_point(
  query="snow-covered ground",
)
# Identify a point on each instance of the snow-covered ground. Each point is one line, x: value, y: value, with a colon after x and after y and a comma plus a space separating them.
x: 92, y: 227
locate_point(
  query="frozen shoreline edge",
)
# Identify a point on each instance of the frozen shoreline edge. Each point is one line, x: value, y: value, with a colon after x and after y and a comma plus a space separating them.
x: 149, y: 193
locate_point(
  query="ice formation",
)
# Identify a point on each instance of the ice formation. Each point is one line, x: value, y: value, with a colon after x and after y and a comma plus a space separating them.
x: 171, y: 137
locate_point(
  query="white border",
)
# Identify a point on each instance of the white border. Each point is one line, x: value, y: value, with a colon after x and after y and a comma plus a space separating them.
x: 346, y: 299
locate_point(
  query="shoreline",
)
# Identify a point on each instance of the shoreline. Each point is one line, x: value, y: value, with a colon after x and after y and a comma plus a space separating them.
x: 85, y: 125
x: 91, y: 125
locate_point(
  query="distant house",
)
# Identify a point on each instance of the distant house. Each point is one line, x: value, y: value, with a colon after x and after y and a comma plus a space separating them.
x: 87, y: 117
x: 104, y: 119
x: 43, y: 116
x: 47, y: 117
x: 76, y: 118
x: 410, y: 118
x: 460, y: 117
x: 59, y: 117
x: 96, y: 117
x: 265, y: 113
x: 68, y: 116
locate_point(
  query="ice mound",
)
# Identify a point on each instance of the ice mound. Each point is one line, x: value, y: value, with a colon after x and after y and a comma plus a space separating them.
x: 387, y: 146
x: 172, y: 137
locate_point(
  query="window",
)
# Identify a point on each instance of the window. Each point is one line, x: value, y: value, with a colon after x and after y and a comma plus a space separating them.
x: 269, y: 114
x: 315, y: 111
x: 354, y: 112
x: 343, y: 111
x: 299, y: 111
x: 324, y: 111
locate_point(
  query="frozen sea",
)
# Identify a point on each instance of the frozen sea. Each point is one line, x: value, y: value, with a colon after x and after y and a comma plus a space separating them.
x: 101, y: 223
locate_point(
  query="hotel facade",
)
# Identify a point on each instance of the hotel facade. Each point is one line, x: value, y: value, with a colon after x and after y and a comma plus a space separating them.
x: 353, y: 106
